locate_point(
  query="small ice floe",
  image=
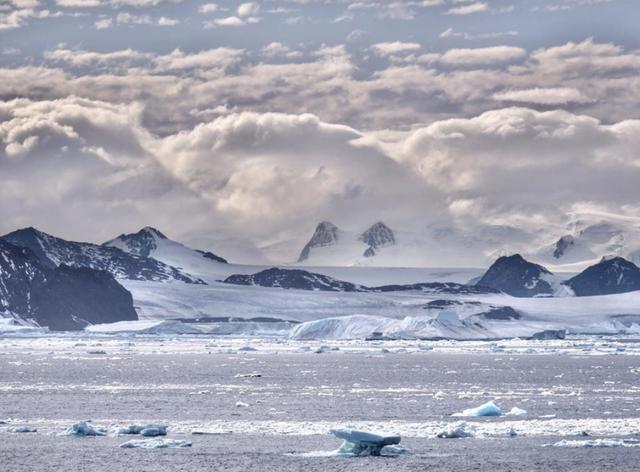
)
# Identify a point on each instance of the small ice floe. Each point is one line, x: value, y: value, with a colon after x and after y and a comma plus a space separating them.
x: 488, y: 409
x: 324, y: 348
x: 425, y: 347
x: 242, y: 405
x: 23, y: 429
x: 251, y: 375
x: 439, y: 395
x: 515, y: 411
x: 157, y: 443
x: 362, y: 443
x: 606, y: 442
x: 247, y: 349
x: 149, y: 430
x: 97, y: 352
x: 83, y: 428
x: 456, y: 431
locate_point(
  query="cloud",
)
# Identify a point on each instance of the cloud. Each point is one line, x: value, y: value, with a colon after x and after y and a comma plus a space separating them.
x: 451, y: 33
x: 544, y: 96
x: 248, y: 9
x: 479, y: 56
x: 386, y: 49
x: 208, y: 8
x: 469, y: 9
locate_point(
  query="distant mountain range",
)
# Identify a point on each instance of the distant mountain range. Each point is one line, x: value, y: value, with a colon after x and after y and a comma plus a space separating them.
x: 49, y: 281
x: 585, y: 239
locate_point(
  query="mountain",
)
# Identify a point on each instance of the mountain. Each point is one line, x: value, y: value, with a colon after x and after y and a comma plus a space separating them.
x: 377, y: 236
x: 53, y: 252
x: 588, y: 236
x: 61, y: 298
x: 293, y: 278
x: 609, y: 276
x: 326, y: 234
x: 305, y: 280
x: 151, y: 243
x: 518, y: 277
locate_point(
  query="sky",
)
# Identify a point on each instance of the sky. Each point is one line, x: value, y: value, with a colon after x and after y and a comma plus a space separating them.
x: 240, y: 125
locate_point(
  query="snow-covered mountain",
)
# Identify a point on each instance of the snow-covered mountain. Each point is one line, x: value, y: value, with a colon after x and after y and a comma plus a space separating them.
x: 332, y: 246
x: 589, y: 236
x: 53, y: 252
x: 61, y: 298
x: 609, y: 276
x: 518, y: 277
x: 151, y: 243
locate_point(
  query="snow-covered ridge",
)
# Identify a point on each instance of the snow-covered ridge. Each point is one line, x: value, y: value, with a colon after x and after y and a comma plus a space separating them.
x: 53, y: 251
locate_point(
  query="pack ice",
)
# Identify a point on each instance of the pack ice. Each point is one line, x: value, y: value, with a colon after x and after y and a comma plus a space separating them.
x: 83, y: 428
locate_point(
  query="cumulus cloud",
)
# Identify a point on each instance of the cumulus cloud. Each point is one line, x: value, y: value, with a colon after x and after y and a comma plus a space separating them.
x: 386, y: 49
x: 479, y: 56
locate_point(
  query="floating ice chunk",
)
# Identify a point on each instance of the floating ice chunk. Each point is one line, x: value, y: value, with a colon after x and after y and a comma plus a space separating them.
x: 457, y: 430
x: 248, y: 376
x: 606, y: 442
x: 23, y: 429
x: 247, y: 349
x: 324, y: 348
x: 515, y: 411
x: 363, y: 443
x: 425, y: 347
x: 488, y: 409
x: 157, y: 443
x: 83, y: 428
x: 145, y: 430
x: 242, y: 404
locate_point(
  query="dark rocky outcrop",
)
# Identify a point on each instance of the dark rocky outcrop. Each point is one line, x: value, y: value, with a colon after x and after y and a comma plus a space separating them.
x: 326, y: 234
x: 609, y: 276
x: 61, y: 298
x: 293, y: 278
x: 517, y: 277
x: 53, y: 251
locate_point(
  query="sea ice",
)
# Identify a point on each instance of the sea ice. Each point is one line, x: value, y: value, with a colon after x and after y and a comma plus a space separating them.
x: 157, y: 443
x: 488, y: 409
x: 606, y: 442
x: 457, y: 430
x: 145, y: 430
x: 83, y: 428
x: 24, y: 429
x: 363, y: 443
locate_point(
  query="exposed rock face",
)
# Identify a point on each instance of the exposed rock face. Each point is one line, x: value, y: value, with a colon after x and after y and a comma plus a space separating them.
x: 563, y: 244
x: 609, y: 276
x: 326, y: 234
x: 293, y: 278
x: 61, y: 298
x: 142, y: 243
x: 304, y: 280
x: 146, y: 241
x: 517, y: 277
x: 378, y: 235
x: 53, y: 252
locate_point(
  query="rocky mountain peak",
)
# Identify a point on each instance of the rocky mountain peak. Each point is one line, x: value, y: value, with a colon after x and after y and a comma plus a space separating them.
x: 378, y: 235
x: 518, y: 277
x: 326, y: 234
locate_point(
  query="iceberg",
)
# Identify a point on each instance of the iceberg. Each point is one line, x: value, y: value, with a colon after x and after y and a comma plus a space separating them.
x: 488, y: 409
x: 149, y: 430
x: 83, y: 428
x: 456, y: 431
x: 157, y: 443
x: 362, y: 443
x: 515, y: 411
